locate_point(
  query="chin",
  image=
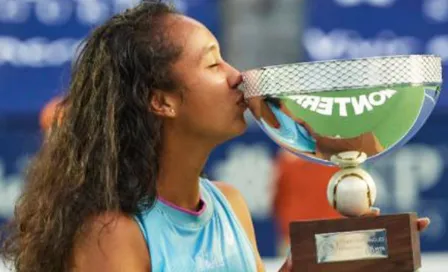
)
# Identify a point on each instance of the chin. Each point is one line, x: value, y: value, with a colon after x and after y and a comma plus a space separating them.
x: 239, y: 128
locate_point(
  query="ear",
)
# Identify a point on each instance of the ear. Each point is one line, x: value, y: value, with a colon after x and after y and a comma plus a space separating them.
x: 164, y: 104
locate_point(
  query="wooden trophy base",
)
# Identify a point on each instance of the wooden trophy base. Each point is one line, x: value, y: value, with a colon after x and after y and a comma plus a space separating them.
x: 378, y: 243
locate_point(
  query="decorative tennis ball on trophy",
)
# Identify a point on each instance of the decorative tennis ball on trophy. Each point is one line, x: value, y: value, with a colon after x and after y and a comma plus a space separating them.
x: 351, y: 192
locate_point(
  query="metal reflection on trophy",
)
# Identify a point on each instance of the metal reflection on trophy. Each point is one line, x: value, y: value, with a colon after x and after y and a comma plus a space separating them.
x: 351, y: 245
x: 319, y: 109
x: 344, y: 113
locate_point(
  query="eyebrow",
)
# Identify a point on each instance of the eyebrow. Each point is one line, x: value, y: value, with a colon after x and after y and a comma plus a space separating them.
x: 207, y: 49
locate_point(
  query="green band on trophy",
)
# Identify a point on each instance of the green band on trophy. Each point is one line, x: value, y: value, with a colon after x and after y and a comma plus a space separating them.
x: 350, y: 113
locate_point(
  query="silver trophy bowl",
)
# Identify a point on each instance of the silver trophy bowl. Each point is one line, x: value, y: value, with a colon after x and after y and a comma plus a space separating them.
x: 344, y: 113
x: 319, y: 109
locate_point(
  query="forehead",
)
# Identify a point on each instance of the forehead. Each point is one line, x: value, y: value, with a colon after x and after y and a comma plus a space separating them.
x: 190, y: 34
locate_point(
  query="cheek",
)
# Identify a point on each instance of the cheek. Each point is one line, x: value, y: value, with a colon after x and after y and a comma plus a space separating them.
x: 208, y: 105
x: 211, y: 90
x: 208, y: 95
x: 207, y: 111
x: 207, y: 79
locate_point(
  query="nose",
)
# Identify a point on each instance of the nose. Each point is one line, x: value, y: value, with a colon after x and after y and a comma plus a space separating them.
x: 234, y: 77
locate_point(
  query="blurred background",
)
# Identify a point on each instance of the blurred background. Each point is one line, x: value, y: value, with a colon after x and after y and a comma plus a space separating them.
x: 38, y: 41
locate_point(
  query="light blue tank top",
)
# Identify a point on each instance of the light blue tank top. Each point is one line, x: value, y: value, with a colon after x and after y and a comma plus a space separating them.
x: 211, y: 239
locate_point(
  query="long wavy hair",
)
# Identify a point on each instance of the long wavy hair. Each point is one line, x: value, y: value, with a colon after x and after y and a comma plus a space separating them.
x: 104, y: 155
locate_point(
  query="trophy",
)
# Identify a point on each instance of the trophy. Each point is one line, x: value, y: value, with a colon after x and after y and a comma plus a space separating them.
x: 344, y: 113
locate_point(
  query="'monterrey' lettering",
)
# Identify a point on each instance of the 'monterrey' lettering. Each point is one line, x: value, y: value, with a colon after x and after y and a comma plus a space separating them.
x: 328, y: 105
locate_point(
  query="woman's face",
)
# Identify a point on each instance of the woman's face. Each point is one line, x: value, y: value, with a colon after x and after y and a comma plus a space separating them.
x: 210, y: 105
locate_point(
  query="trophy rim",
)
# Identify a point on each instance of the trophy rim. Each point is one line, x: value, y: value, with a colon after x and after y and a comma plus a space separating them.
x: 417, y: 70
x: 293, y: 93
x: 267, y: 67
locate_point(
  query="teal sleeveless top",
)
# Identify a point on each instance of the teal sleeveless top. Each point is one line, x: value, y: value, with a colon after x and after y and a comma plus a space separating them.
x: 211, y: 239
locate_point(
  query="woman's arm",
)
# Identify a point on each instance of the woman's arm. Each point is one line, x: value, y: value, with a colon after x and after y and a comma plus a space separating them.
x: 241, y: 210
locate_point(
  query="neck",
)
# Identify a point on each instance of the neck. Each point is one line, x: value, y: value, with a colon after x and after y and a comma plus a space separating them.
x: 181, y: 164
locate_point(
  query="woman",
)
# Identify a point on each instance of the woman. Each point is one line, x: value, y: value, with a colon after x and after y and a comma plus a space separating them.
x: 117, y: 187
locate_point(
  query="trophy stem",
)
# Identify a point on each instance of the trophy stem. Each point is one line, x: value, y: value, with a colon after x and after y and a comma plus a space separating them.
x: 351, y: 191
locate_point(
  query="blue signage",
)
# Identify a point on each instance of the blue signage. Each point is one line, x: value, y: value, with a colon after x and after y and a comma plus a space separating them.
x: 361, y: 28
x: 39, y: 38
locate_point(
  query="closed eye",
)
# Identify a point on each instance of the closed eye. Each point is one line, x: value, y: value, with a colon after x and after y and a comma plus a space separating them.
x: 214, y: 66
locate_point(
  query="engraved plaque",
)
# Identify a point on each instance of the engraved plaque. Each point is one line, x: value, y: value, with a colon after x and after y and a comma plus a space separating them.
x: 351, y: 245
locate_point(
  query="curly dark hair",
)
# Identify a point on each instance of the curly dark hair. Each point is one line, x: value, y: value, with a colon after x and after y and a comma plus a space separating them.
x: 104, y: 155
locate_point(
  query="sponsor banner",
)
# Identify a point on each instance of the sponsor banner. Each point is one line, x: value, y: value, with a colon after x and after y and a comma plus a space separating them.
x: 342, y: 29
x: 40, y: 38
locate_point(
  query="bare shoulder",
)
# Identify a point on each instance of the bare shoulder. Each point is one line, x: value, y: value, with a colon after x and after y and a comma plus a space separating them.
x: 111, y: 242
x: 242, y: 212
x: 237, y: 202
x: 230, y: 192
